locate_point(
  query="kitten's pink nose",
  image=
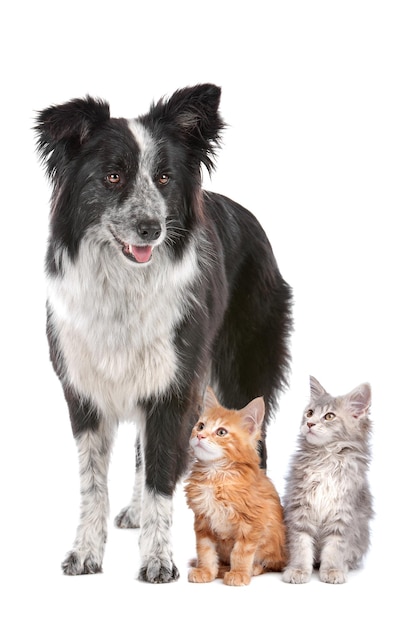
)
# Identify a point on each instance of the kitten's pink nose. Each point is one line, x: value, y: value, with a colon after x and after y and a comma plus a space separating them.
x: 201, y: 436
x: 310, y: 424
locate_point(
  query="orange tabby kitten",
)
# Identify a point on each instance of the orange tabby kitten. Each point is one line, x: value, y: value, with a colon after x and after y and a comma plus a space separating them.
x: 238, y: 514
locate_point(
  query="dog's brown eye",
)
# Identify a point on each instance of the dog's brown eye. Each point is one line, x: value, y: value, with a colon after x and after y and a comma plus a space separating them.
x: 113, y: 178
x: 163, y: 179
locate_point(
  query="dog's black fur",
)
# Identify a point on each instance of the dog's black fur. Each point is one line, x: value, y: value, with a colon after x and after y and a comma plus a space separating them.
x: 144, y: 266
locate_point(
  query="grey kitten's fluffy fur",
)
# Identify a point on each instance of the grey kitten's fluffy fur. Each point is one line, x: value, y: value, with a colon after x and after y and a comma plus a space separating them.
x: 328, y: 504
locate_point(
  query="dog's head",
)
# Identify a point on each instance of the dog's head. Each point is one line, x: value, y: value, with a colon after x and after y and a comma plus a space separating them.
x: 137, y: 182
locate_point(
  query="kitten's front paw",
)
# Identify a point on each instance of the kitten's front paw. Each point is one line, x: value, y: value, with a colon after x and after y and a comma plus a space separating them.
x: 76, y: 564
x: 127, y: 518
x: 333, y: 576
x: 158, y: 571
x: 236, y: 579
x: 201, y: 575
x: 296, y: 575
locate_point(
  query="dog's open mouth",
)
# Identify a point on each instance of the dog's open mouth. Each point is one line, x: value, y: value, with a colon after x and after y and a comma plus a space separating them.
x: 137, y: 254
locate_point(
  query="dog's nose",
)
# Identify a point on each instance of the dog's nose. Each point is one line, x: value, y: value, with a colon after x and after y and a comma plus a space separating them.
x: 149, y: 230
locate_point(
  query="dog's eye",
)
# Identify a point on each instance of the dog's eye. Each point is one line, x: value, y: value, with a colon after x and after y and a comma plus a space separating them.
x: 113, y: 178
x: 163, y: 179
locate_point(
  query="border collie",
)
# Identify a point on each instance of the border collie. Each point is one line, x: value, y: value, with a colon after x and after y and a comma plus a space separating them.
x: 155, y: 289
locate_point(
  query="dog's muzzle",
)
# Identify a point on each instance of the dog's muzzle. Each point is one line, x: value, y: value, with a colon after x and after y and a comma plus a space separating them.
x: 149, y: 232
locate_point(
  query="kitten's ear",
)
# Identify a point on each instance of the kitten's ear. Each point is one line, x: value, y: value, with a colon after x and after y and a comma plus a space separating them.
x: 210, y: 400
x: 253, y: 415
x: 359, y: 400
x: 316, y: 389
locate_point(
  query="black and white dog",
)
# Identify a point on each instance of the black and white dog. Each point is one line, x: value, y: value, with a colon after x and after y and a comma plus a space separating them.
x: 155, y: 289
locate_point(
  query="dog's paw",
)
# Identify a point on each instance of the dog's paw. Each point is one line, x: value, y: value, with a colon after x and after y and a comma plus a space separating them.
x: 158, y: 571
x: 75, y: 565
x: 296, y: 575
x: 127, y: 518
x: 333, y: 576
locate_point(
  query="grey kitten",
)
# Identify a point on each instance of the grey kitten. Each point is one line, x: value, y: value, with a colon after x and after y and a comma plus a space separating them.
x: 328, y: 504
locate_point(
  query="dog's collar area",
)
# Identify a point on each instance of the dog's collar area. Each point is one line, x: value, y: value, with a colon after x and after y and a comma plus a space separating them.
x: 136, y: 254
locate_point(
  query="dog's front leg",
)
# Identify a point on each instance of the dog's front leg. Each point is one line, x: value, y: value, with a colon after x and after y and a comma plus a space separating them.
x: 166, y: 441
x: 94, y: 446
x: 155, y: 539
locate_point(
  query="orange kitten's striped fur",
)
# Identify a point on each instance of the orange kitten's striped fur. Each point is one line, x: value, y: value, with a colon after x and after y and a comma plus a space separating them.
x: 238, y: 514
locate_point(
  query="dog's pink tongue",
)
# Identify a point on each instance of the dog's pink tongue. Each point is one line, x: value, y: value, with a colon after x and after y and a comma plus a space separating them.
x: 142, y: 254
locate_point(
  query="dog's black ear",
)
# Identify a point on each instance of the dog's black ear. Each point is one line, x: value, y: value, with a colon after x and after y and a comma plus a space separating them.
x: 195, y: 110
x: 192, y: 114
x: 62, y: 129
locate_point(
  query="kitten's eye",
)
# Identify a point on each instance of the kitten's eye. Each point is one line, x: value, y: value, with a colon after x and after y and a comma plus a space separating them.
x: 163, y: 179
x: 329, y: 417
x: 309, y: 413
x: 221, y: 432
x: 113, y: 178
x: 200, y: 426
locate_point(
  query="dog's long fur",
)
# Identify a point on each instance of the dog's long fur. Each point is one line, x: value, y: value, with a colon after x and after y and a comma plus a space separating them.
x: 155, y: 289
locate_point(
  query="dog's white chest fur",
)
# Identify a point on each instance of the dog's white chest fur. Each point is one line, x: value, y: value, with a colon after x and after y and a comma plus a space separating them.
x: 115, y: 325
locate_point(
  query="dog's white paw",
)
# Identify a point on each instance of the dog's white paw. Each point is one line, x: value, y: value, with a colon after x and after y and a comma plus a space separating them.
x: 156, y: 570
x: 76, y: 563
x: 128, y: 518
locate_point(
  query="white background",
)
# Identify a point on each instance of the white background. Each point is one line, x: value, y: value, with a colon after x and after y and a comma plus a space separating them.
x: 320, y: 98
